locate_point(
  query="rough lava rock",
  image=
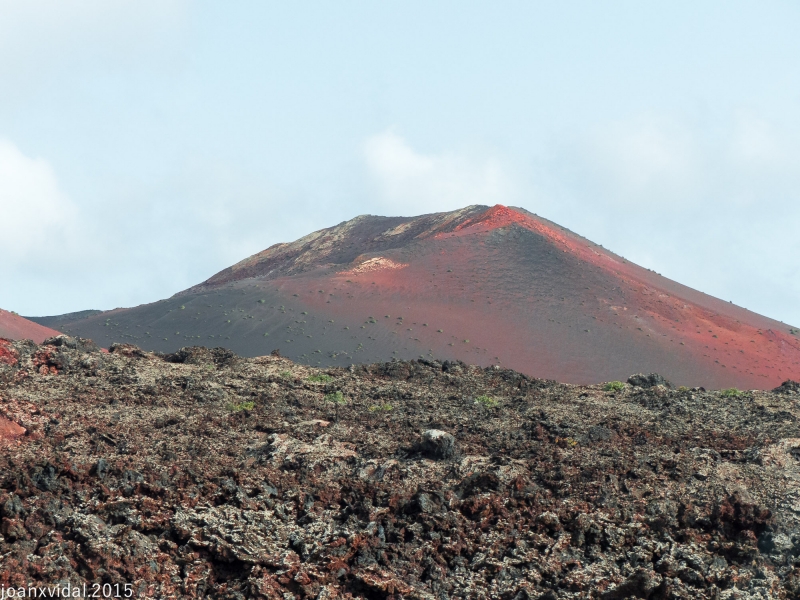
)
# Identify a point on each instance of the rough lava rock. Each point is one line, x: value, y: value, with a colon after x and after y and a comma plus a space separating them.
x: 438, y: 444
x: 788, y: 387
x: 204, y: 475
x: 73, y: 343
x: 648, y: 381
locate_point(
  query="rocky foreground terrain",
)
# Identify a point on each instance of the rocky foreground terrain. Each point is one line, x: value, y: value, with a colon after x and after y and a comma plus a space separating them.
x: 201, y: 474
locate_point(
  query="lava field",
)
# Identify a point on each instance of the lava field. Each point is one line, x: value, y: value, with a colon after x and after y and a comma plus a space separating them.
x: 203, y: 474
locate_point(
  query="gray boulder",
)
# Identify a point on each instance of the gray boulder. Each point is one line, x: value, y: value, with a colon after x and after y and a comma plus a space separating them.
x: 438, y: 444
x: 648, y: 381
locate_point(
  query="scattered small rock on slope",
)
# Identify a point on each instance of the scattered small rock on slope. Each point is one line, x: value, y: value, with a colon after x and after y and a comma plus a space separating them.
x: 202, y: 474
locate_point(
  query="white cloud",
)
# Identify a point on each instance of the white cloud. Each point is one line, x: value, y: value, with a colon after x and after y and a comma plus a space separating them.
x: 41, y: 37
x: 644, y: 159
x: 760, y: 147
x: 35, y: 215
x: 713, y: 205
x: 410, y: 183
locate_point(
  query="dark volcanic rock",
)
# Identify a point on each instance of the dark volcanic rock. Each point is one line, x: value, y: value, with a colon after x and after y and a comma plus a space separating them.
x: 648, y: 381
x: 129, y: 350
x: 788, y: 387
x: 598, y: 433
x: 201, y: 474
x: 191, y: 356
x: 199, y: 355
x: 641, y: 584
x: 73, y: 343
x: 438, y: 444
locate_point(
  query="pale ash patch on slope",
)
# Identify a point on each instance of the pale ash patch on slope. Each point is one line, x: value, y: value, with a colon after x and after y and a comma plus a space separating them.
x: 319, y: 247
x: 308, y: 249
x: 437, y: 222
x: 379, y: 263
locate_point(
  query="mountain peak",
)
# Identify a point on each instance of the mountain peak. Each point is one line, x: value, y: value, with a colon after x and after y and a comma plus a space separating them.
x: 495, y: 217
x: 483, y: 284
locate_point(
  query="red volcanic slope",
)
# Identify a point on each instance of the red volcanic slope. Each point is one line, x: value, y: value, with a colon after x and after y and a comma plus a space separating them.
x: 14, y: 327
x: 552, y: 304
x: 483, y: 285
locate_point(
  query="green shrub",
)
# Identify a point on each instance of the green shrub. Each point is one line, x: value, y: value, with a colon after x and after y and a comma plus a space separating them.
x: 614, y: 386
x: 241, y: 406
x: 731, y: 393
x: 335, y: 398
x: 487, y: 401
x: 321, y: 378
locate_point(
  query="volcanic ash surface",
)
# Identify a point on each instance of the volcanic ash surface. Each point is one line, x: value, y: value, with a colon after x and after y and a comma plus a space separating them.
x: 202, y: 474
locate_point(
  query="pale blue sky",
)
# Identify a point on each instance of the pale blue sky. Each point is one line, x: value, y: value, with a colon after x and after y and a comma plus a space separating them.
x: 146, y: 145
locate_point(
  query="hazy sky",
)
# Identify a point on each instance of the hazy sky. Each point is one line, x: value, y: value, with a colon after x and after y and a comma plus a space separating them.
x: 147, y: 144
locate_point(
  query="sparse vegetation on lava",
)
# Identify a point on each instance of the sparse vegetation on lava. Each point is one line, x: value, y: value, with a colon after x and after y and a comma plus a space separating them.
x: 614, y: 386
